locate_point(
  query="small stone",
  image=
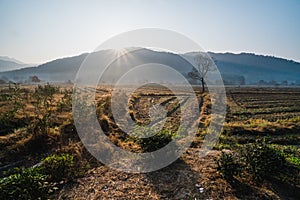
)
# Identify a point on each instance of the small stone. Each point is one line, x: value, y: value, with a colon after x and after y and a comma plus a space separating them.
x: 55, y: 188
x: 201, y: 190
x: 105, y: 188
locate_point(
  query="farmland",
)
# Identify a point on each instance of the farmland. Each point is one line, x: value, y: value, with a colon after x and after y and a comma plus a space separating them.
x: 37, y: 129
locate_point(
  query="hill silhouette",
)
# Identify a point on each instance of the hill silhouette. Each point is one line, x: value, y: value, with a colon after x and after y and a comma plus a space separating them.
x: 243, y: 68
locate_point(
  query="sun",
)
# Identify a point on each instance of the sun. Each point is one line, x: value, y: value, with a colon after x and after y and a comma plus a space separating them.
x: 122, y: 55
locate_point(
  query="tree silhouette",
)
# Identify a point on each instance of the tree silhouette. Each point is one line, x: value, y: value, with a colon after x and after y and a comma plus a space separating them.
x: 35, y: 79
x: 204, y: 64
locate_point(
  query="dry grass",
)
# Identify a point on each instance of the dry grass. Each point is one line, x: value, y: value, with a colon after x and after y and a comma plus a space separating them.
x: 181, y: 180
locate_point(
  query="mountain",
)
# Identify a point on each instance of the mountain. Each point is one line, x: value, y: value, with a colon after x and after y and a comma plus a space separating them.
x: 53, y: 71
x: 6, y: 58
x: 257, y: 67
x: 243, y: 68
x: 9, y: 64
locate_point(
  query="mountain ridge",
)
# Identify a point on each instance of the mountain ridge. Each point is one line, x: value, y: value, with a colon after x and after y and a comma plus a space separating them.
x: 253, y: 68
x: 7, y: 58
x: 10, y: 64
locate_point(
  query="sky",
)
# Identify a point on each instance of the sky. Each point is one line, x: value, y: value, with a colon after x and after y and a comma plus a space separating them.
x: 40, y: 31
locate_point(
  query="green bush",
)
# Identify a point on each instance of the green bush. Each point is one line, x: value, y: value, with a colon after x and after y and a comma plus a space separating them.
x: 262, y: 160
x: 156, y: 141
x: 291, y: 154
x: 31, y: 183
x: 228, y: 165
x: 28, y: 184
x: 59, y: 167
x: 294, y: 160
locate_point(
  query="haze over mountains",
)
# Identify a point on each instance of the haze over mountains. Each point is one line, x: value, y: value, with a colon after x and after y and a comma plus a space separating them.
x: 9, y: 64
x: 238, y: 69
x: 257, y: 67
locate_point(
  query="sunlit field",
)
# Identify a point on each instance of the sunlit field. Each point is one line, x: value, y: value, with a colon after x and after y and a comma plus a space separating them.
x: 257, y: 155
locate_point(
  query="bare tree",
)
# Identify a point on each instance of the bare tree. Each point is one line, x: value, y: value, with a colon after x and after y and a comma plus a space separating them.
x: 204, y: 64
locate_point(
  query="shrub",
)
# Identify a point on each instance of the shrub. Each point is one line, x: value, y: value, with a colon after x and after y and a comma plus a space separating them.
x: 294, y: 160
x: 59, y: 167
x: 228, y: 165
x: 31, y: 183
x: 47, y: 90
x: 28, y: 184
x: 44, y: 104
x: 291, y: 154
x: 156, y: 141
x: 262, y: 160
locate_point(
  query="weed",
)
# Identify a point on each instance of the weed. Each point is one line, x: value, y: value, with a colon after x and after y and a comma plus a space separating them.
x: 228, y: 165
x: 28, y: 184
x: 59, y: 167
x: 44, y: 109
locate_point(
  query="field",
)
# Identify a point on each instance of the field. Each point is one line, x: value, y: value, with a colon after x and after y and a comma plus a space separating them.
x: 257, y: 155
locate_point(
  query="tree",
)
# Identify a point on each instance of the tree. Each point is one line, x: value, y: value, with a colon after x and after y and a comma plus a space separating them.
x: 285, y: 83
x: 204, y: 64
x: 262, y: 82
x: 35, y: 79
x: 2, y: 81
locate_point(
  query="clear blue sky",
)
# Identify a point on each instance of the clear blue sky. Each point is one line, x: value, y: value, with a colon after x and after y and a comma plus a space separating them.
x: 39, y: 31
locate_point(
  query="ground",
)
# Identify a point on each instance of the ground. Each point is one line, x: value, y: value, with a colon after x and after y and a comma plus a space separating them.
x: 37, y: 122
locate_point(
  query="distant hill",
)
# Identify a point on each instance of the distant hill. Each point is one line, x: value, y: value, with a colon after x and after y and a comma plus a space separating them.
x: 9, y: 64
x: 53, y: 71
x: 257, y: 67
x: 6, y: 58
x: 244, y: 68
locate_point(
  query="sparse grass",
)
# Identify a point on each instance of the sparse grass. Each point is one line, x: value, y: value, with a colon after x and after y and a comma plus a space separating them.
x: 291, y: 153
x: 58, y: 167
x: 226, y: 142
x: 42, y: 124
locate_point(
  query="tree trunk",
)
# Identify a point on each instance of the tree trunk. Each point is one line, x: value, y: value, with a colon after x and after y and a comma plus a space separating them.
x: 202, y: 82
